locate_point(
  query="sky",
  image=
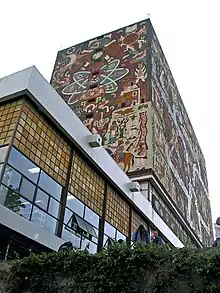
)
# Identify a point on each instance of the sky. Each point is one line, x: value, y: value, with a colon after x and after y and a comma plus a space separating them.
x: 33, y: 31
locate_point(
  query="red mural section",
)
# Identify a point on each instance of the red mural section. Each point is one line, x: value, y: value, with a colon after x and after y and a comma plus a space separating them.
x: 178, y: 160
x: 104, y: 81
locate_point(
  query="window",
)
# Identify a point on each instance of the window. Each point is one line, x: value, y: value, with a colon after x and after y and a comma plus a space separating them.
x: 54, y: 208
x: 27, y: 189
x: 75, y: 205
x: 43, y: 220
x: 90, y: 246
x: 3, y: 152
x: 50, y: 186
x: 109, y: 230
x: 11, y: 178
x: 15, y: 202
x: 120, y: 236
x: 42, y: 199
x: 22, y: 164
x: 91, y: 217
x: 69, y: 236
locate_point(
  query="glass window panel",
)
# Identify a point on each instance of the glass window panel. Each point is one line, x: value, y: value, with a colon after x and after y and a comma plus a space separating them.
x: 68, y: 236
x: 92, y: 247
x: 91, y: 217
x: 90, y: 229
x: 81, y: 223
x: 75, y: 205
x: 121, y: 236
x: 11, y: 178
x: 107, y: 241
x: 67, y: 216
x: 109, y: 230
x: 27, y: 189
x: 3, y: 152
x: 49, y: 185
x: 54, y: 208
x: 1, y: 165
x: 15, y: 202
x: 22, y: 164
x: 43, y: 220
x: 42, y: 199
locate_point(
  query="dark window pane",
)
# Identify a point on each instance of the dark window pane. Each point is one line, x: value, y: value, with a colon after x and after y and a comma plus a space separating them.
x: 22, y: 164
x: 11, y: 178
x: 109, y: 230
x: 81, y: 223
x: 43, y: 220
x: 75, y: 205
x: 15, y: 202
x: 91, y: 217
x: 50, y: 186
x: 69, y: 236
x: 27, y: 189
x: 41, y: 199
x: 1, y: 165
x: 54, y: 208
x: 90, y: 229
x: 3, y: 152
x: 90, y: 246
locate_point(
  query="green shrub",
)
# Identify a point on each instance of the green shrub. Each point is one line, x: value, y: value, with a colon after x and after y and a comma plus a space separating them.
x: 119, y: 269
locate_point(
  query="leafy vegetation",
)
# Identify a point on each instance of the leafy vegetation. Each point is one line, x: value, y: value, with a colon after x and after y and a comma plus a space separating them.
x: 119, y: 269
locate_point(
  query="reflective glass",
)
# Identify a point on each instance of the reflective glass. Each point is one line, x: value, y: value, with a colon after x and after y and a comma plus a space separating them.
x: 75, y: 205
x: 54, y: 208
x: 27, y: 189
x: 3, y: 152
x: 43, y: 220
x: 91, y: 247
x: 1, y: 165
x: 11, y: 178
x: 121, y: 236
x: 15, y: 202
x: 91, y: 217
x: 67, y: 216
x: 50, y: 186
x: 41, y: 199
x: 22, y: 164
x: 68, y: 236
x: 109, y: 230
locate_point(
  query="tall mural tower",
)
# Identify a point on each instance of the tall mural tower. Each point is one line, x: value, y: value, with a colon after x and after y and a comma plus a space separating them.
x: 120, y: 85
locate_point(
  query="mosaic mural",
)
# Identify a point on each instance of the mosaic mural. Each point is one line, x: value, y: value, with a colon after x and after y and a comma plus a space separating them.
x: 105, y: 82
x: 178, y: 160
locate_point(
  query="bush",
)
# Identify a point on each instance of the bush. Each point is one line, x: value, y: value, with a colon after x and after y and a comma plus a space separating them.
x: 119, y: 269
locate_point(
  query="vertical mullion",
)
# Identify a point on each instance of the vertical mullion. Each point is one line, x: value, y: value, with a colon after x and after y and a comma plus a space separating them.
x: 102, y: 219
x: 64, y: 197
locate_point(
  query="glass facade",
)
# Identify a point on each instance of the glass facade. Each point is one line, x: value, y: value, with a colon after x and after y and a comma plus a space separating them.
x: 81, y: 224
x: 30, y: 192
x: 35, y: 185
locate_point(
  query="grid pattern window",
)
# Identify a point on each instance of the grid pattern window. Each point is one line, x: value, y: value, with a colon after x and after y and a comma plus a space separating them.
x: 117, y: 211
x: 9, y: 114
x: 28, y: 191
x: 39, y: 141
x: 80, y: 225
x: 86, y: 184
x: 136, y: 221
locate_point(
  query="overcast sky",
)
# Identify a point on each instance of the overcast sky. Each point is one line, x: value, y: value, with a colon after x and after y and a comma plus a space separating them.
x: 31, y: 33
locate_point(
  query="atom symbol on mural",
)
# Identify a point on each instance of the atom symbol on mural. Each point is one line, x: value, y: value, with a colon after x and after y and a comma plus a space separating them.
x: 108, y: 77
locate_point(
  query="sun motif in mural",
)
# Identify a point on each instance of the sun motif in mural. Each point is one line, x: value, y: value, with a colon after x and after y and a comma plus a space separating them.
x: 109, y: 74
